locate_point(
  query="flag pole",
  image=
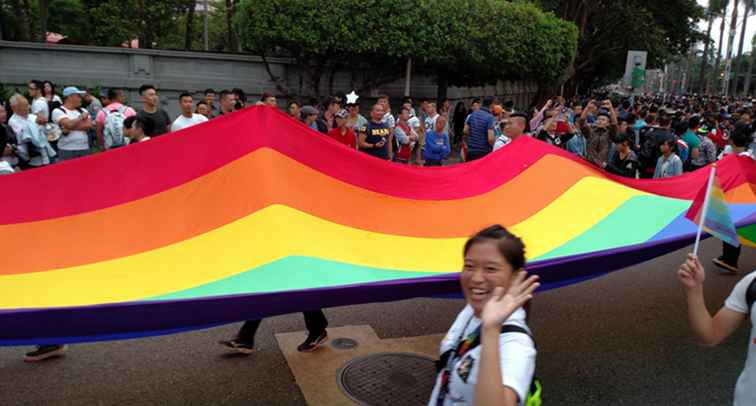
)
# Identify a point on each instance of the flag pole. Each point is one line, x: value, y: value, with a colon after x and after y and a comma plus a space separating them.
x: 705, y: 207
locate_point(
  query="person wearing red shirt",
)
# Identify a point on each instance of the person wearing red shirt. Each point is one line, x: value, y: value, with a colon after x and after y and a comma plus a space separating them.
x: 342, y: 133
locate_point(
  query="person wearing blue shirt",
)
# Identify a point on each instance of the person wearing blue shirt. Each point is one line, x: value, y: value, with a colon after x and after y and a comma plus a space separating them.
x: 479, y: 131
x: 436, y: 147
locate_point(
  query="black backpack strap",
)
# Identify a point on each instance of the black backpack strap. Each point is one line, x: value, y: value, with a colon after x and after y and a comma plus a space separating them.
x: 751, y: 295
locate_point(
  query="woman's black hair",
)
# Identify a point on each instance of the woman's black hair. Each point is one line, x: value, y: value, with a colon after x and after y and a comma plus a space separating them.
x: 52, y: 87
x: 510, y: 246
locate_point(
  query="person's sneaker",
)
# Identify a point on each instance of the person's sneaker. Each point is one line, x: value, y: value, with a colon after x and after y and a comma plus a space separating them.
x: 313, y: 342
x: 44, y: 352
x: 238, y: 346
x: 724, y: 265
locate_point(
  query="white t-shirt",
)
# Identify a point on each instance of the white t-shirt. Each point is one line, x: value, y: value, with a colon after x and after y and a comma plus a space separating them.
x: 39, y: 107
x: 745, y: 389
x: 74, y: 140
x: 517, y: 352
x: 389, y: 120
x: 183, y: 122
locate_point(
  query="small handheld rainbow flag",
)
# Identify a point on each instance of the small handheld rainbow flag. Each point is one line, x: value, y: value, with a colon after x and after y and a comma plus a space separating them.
x: 709, y: 210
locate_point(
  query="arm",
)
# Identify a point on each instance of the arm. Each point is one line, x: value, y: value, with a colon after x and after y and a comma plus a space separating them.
x: 168, y: 120
x: 100, y: 135
x: 490, y: 390
x: 695, y: 153
x: 362, y: 142
x: 69, y: 124
x: 709, y: 331
x: 678, y: 168
x: 539, y: 117
x: 85, y: 123
x: 401, y: 137
x: 391, y: 145
x: 491, y: 137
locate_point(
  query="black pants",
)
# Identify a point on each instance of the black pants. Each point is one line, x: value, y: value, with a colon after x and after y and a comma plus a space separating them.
x: 473, y: 155
x: 730, y: 254
x: 315, y: 321
x: 433, y: 162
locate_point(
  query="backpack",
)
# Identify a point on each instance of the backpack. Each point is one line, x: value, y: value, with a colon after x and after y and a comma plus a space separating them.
x: 534, y: 396
x: 113, y: 129
x: 751, y: 294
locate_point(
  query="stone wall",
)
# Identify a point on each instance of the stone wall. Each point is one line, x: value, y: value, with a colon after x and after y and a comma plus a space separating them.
x: 173, y: 72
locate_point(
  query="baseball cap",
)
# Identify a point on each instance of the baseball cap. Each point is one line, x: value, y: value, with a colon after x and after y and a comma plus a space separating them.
x: 72, y: 90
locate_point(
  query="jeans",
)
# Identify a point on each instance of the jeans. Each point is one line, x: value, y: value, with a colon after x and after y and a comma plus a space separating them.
x: 315, y: 321
x: 433, y: 162
x: 64, y: 154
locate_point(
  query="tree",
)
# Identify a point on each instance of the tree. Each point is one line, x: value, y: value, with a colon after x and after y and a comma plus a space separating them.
x: 747, y: 85
x: 749, y: 5
x: 189, y: 25
x: 608, y: 29
x: 714, y: 7
x: 723, y: 11
x: 459, y: 41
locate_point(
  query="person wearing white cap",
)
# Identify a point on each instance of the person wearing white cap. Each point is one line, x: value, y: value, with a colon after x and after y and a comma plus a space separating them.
x: 75, y: 122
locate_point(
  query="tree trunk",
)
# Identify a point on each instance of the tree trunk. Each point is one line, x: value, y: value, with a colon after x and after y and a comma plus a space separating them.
x: 230, y: 37
x: 730, y: 43
x: 721, y: 42
x: 740, y: 47
x: 189, y: 34
x: 442, y: 88
x: 44, y: 7
x: 26, y: 21
x: 747, y: 84
x: 701, y: 76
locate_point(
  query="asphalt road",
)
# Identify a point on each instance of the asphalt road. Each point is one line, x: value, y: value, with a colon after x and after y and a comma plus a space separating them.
x: 621, y: 339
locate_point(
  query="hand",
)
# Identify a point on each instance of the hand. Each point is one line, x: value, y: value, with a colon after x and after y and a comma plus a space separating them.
x: 549, y: 103
x: 691, y: 273
x: 501, y: 305
x: 380, y: 144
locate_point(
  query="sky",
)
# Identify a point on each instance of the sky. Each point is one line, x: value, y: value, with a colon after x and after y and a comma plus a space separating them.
x: 750, y: 30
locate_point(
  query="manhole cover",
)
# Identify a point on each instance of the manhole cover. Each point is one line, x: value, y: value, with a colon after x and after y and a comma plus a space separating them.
x: 388, y: 379
x: 343, y: 343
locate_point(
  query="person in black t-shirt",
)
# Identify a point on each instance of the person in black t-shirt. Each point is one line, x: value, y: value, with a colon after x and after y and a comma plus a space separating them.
x: 153, y: 112
x: 624, y: 162
x: 376, y: 138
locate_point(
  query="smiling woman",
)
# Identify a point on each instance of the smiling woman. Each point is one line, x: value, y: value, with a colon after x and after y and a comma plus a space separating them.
x: 488, y: 356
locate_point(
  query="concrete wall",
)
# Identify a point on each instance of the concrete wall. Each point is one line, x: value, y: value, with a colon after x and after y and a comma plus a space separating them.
x: 173, y: 72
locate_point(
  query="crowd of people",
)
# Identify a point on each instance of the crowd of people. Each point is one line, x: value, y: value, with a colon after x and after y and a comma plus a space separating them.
x: 651, y: 136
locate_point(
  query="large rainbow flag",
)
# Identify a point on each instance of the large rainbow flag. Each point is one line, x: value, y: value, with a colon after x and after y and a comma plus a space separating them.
x: 253, y: 214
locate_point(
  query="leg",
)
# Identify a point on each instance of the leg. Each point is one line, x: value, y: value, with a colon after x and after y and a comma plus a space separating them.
x: 244, y: 342
x: 248, y: 331
x: 729, y: 258
x: 730, y: 254
x: 316, y: 323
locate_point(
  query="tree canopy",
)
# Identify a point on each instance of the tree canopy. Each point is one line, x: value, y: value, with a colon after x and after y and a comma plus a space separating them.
x: 609, y: 28
x: 463, y: 42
